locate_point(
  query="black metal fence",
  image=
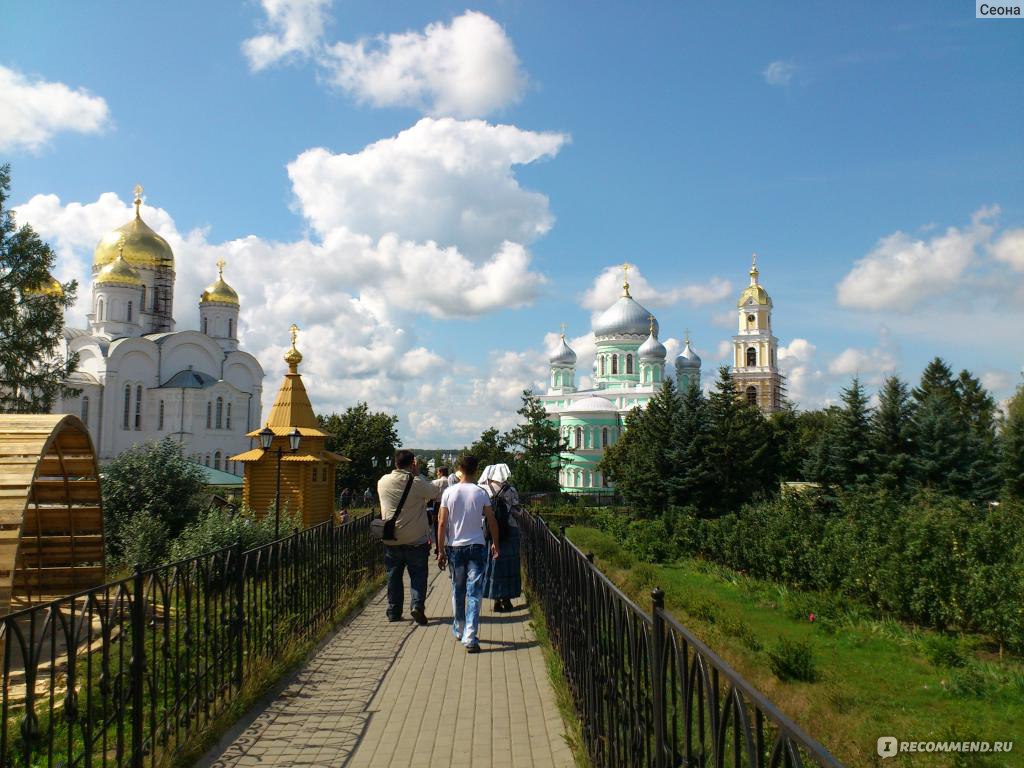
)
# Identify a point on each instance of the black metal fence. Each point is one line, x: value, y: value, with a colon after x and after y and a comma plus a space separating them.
x: 649, y: 693
x: 125, y: 673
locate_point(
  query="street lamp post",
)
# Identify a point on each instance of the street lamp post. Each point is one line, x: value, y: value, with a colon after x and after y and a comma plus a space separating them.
x: 266, y: 440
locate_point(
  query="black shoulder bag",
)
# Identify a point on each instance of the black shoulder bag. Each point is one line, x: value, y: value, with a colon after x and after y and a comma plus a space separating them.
x: 384, y: 530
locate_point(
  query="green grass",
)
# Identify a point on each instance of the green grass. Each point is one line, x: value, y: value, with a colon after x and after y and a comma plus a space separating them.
x: 874, y: 676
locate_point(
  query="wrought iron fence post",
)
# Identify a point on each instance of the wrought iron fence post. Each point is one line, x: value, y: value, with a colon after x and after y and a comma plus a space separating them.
x: 658, y: 675
x: 138, y: 663
x: 239, y: 617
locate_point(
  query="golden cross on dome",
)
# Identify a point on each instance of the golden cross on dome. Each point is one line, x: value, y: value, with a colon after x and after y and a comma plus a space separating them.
x: 564, y: 326
x: 220, y: 268
x: 686, y: 335
x: 626, y: 266
x: 650, y: 318
x: 295, y: 334
x: 138, y: 198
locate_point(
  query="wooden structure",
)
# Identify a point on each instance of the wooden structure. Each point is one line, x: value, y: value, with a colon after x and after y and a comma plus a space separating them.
x: 51, y: 518
x: 307, y: 475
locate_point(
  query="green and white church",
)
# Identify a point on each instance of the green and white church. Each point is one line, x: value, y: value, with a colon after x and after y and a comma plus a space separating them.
x: 629, y: 367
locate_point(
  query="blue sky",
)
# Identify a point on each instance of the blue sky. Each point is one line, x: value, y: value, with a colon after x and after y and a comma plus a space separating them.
x: 870, y: 153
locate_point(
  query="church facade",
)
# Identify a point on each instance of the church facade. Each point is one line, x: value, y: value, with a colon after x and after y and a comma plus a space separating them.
x: 141, y: 380
x: 629, y: 367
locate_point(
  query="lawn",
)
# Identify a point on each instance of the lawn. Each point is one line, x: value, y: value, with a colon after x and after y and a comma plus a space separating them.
x: 875, y: 676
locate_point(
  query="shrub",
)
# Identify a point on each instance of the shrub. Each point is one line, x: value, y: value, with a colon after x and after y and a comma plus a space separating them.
x: 736, y: 627
x: 649, y: 541
x: 968, y: 681
x: 604, y: 546
x: 793, y: 660
x: 221, y: 527
x: 144, y: 542
x: 943, y: 651
x: 643, y: 577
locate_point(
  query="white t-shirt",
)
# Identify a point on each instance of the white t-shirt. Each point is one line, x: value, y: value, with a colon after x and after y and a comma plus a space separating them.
x: 465, y: 503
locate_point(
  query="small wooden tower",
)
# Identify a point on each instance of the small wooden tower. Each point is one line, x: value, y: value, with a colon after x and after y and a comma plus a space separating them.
x: 307, y: 474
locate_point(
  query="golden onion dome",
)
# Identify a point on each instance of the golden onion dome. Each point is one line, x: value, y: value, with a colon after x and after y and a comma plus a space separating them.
x: 142, y: 246
x: 50, y: 287
x: 219, y: 291
x: 755, y: 292
x: 119, y: 272
x: 293, y: 357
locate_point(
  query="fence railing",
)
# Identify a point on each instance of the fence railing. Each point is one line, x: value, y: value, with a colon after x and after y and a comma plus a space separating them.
x: 648, y: 693
x: 125, y: 673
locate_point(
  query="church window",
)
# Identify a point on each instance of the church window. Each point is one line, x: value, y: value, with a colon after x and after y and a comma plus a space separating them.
x: 220, y: 413
x: 142, y: 304
x: 602, y: 365
x: 227, y: 423
x: 156, y: 299
x: 231, y: 328
x: 615, y: 364
x: 99, y: 310
x: 751, y: 356
x: 752, y: 395
x: 138, y: 407
x: 128, y: 314
x: 604, y: 437
x: 209, y: 415
x: 216, y: 460
x: 206, y: 325
x: 579, y: 437
x: 160, y: 417
x: 127, y: 406
x: 629, y: 364
x: 207, y: 460
x: 85, y: 410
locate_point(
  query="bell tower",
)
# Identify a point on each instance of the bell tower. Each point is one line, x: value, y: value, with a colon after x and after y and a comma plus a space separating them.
x: 755, y: 350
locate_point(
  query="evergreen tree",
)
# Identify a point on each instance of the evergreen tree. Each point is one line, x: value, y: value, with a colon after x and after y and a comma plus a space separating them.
x: 691, y: 480
x: 740, y: 447
x: 819, y: 440
x: 850, y: 460
x: 360, y: 435
x: 936, y: 378
x: 978, y: 416
x: 32, y: 374
x: 891, y: 435
x: 1012, y: 444
x: 537, y: 445
x: 940, y: 460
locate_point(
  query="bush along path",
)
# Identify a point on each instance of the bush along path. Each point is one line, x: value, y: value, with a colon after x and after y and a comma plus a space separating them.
x: 844, y: 674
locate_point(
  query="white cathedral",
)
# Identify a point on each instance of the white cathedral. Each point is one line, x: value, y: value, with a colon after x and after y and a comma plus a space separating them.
x: 141, y: 380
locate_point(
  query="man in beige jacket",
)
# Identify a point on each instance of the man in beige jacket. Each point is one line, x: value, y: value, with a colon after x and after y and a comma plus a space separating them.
x: 410, y: 549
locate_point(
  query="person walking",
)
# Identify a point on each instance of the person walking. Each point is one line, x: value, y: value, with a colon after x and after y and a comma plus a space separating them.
x: 346, y: 498
x: 367, y: 497
x: 502, y: 578
x: 440, y: 482
x: 460, y: 521
x: 404, y: 495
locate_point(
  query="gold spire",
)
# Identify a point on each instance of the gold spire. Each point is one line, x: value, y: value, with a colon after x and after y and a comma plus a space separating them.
x: 625, y: 278
x: 755, y: 292
x: 686, y: 336
x: 293, y: 357
x: 219, y: 290
x: 138, y: 200
x: 564, y: 326
x: 650, y: 319
x: 220, y: 268
x: 142, y: 246
x: 753, y: 269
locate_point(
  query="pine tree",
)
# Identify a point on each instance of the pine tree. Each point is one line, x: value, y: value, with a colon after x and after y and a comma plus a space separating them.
x: 940, y: 460
x: 537, y: 446
x: 1012, y: 445
x: 891, y: 435
x: 692, y: 479
x: 850, y: 461
x: 32, y: 374
x: 937, y: 377
x: 978, y: 416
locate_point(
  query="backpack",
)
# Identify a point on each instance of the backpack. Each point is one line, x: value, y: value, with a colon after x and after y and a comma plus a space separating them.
x: 502, y: 512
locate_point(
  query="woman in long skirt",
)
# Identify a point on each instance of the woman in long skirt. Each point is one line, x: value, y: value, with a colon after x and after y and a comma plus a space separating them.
x: 502, y: 579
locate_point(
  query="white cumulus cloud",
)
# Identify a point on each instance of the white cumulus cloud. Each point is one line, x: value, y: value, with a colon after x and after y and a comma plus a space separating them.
x: 294, y: 29
x: 1009, y: 248
x: 467, y: 68
x: 779, y: 73
x: 607, y: 287
x: 32, y: 110
x: 902, y: 271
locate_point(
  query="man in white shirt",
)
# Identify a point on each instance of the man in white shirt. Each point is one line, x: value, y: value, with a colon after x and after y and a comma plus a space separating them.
x: 460, y: 526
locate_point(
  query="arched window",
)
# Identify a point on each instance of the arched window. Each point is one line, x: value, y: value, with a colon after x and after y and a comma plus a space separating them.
x: 752, y: 395
x: 206, y: 325
x: 99, y: 309
x: 207, y: 460
x: 128, y: 314
x: 604, y: 437
x: 751, y: 356
x: 85, y: 410
x: 138, y: 407
x: 142, y: 304
x: 629, y: 364
x: 579, y: 437
x: 209, y: 415
x: 231, y: 328
x: 227, y: 423
x: 602, y: 365
x: 160, y: 418
x: 216, y: 460
x: 615, y: 364
x: 125, y: 424
x: 218, y: 422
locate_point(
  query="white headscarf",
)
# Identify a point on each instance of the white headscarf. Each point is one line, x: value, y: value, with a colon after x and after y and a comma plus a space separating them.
x: 499, y: 473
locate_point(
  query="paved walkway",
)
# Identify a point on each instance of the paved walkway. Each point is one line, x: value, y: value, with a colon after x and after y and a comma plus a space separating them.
x: 393, y: 694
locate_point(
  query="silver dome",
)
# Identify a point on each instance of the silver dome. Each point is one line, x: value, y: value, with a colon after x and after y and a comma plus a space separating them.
x: 687, y: 358
x: 563, y: 354
x: 592, y: 404
x: 652, y: 349
x: 625, y: 318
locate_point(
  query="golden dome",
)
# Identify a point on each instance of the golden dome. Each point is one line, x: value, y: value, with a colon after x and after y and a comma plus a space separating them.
x: 50, y: 287
x: 754, y: 293
x: 219, y: 290
x: 293, y: 357
x: 142, y: 246
x: 119, y: 272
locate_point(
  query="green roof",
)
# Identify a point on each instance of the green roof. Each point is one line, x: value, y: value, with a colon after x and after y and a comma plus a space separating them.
x: 219, y: 478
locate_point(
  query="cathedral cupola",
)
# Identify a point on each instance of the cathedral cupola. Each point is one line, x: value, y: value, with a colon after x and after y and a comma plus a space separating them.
x: 652, y: 355
x: 117, y: 299
x: 218, y: 311
x: 563, y: 366
x: 619, y: 331
x: 687, y: 367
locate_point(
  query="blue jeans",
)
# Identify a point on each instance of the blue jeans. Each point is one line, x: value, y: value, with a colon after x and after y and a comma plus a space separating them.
x: 466, y: 566
x: 397, y: 558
